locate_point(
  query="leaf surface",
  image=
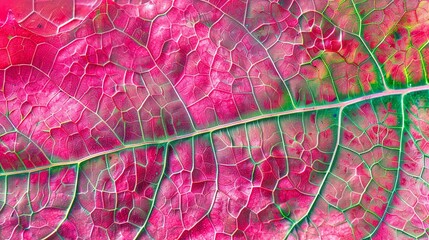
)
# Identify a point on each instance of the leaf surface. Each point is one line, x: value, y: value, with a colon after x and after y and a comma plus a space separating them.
x: 214, y: 119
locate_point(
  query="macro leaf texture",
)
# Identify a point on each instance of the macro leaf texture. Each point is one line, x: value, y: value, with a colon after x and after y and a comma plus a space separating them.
x: 214, y: 119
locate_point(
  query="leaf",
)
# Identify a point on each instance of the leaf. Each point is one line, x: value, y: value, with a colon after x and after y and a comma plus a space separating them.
x: 214, y: 119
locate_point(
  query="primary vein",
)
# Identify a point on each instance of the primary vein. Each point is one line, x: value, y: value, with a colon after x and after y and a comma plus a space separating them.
x: 223, y: 126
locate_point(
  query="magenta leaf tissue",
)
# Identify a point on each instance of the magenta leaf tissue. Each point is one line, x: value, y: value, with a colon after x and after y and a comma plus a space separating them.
x: 216, y: 119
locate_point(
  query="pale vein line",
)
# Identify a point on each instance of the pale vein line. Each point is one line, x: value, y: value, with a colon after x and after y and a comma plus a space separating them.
x: 224, y: 126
